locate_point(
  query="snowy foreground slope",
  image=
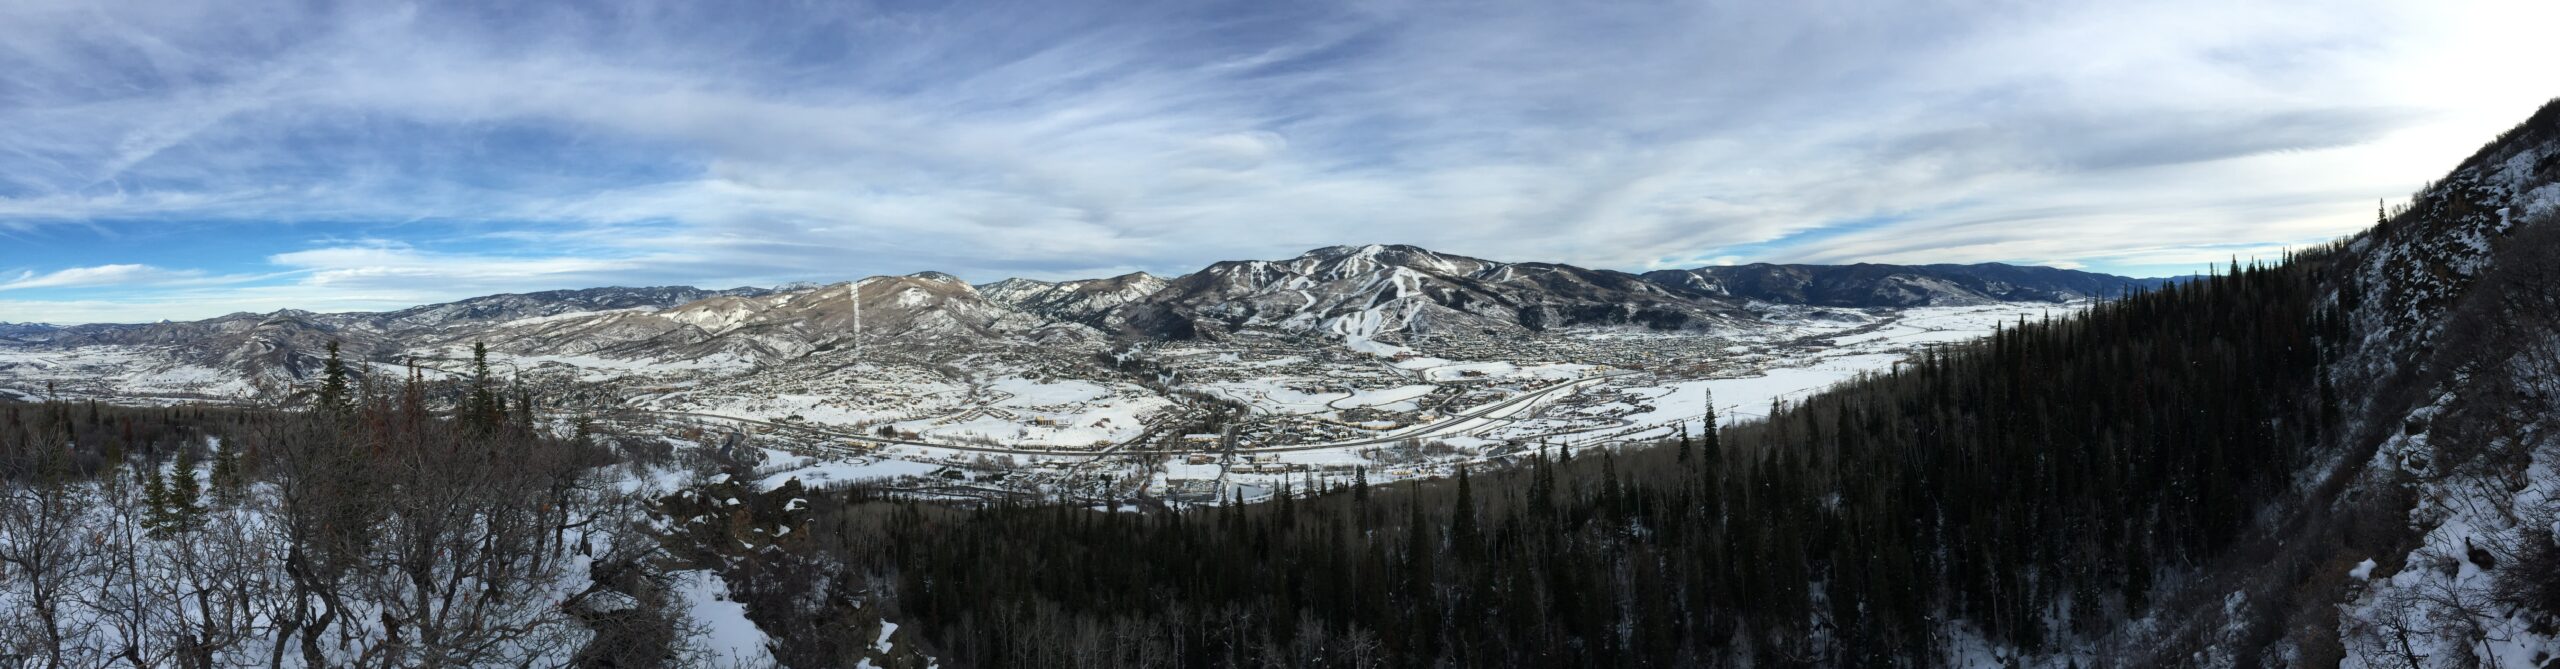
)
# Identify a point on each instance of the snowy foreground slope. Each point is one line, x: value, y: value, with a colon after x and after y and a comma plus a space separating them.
x: 2457, y: 304
x: 2423, y: 535
x: 101, y: 572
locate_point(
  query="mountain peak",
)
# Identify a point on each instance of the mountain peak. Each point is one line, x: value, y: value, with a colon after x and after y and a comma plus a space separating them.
x: 1341, y: 251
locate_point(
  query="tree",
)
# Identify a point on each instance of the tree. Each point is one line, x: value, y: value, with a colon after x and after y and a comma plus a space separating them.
x: 482, y: 408
x: 1709, y: 428
x: 175, y: 500
x: 334, y: 398
x: 227, y: 477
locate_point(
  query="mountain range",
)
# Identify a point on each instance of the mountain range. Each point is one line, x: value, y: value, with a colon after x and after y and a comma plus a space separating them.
x: 1369, y: 291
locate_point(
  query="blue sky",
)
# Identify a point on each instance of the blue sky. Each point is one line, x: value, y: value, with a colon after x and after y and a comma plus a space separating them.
x: 186, y: 159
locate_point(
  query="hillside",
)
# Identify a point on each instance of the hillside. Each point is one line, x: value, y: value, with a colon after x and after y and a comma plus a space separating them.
x: 1873, y: 285
x: 2343, y: 457
x: 1343, y: 294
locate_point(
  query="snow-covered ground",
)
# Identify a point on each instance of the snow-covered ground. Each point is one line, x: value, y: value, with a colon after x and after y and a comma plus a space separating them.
x: 729, y: 638
x: 1314, y: 406
x: 120, y: 372
x: 814, y: 472
x: 140, y: 588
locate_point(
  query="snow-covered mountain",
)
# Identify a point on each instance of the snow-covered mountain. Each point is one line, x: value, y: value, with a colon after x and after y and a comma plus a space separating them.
x: 1362, y: 291
x: 25, y: 331
x: 1379, y: 289
x: 911, y: 309
x: 1871, y: 285
x: 508, y: 307
x: 1083, y: 301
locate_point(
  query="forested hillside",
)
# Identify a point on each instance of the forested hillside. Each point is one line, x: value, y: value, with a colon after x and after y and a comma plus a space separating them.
x: 2030, y: 486
x: 2216, y: 473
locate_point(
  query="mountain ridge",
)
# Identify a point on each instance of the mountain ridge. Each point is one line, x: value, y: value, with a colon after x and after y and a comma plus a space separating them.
x: 1387, y: 291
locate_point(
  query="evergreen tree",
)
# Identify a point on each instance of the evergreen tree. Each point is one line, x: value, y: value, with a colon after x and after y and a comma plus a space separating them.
x: 228, y: 481
x: 172, y: 503
x: 155, y: 501
x: 482, y: 407
x: 1709, y: 429
x: 334, y: 398
x: 186, y: 495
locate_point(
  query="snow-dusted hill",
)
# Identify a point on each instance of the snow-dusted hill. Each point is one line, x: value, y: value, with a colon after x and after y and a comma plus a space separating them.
x: 1355, y: 292
x: 2452, y: 383
x: 1371, y: 290
x: 1872, y: 285
x: 1081, y: 301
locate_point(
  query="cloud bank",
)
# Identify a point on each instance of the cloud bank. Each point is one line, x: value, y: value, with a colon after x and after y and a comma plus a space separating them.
x: 177, y: 160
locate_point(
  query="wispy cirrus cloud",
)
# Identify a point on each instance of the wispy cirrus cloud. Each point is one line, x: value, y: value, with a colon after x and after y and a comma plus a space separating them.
x: 484, y: 147
x: 102, y: 275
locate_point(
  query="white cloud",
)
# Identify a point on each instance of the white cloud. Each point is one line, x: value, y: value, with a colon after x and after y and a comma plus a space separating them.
x: 102, y: 275
x: 655, y: 145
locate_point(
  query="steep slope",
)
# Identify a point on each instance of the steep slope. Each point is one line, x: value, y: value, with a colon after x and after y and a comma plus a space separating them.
x: 2451, y: 389
x: 1872, y: 285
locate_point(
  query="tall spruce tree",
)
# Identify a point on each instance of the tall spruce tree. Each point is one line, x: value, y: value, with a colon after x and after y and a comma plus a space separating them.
x: 481, y: 407
x: 334, y: 398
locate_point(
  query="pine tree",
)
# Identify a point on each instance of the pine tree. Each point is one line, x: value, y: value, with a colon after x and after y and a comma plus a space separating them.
x: 227, y: 481
x: 172, y: 503
x: 481, y: 408
x: 186, y: 496
x: 334, y: 399
x: 1462, y: 524
x: 1713, y: 444
x: 155, y: 501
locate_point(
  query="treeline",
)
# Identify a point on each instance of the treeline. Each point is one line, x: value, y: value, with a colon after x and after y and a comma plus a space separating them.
x: 81, y: 439
x: 2030, y: 487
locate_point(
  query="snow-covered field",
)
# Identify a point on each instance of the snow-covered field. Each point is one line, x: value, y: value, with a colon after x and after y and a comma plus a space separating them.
x: 1311, y: 406
x: 134, y: 372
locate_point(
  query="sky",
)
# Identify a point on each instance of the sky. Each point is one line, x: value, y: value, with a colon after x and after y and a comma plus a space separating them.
x: 184, y: 159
